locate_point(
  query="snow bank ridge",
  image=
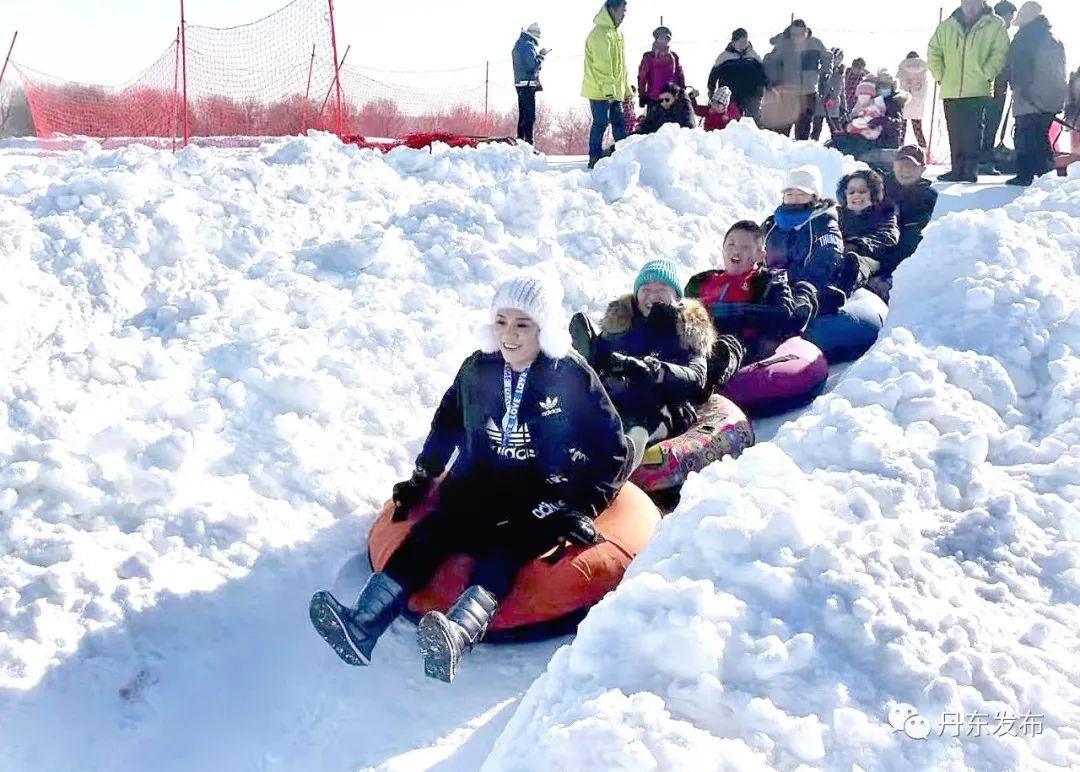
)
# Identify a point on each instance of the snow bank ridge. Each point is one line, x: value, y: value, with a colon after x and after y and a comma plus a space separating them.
x: 914, y: 538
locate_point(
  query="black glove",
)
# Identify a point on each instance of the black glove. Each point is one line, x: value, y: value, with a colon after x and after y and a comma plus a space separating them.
x: 632, y: 367
x: 662, y: 321
x: 409, y: 493
x: 578, y: 528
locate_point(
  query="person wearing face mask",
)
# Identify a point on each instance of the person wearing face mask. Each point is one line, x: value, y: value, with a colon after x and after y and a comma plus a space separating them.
x: 911, y: 77
x: 803, y: 238
x: 867, y: 220
x: 652, y: 351
x: 540, y: 452
x: 740, y: 69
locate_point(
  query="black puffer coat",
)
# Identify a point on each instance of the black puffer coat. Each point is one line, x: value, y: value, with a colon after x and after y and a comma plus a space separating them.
x: 681, y: 114
x: 916, y: 207
x: 568, y: 451
x: 681, y: 338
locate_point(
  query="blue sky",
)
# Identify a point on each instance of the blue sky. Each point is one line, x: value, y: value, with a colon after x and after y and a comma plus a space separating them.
x: 109, y: 41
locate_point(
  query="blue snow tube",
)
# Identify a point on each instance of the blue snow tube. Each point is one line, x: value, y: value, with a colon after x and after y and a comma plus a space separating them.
x: 849, y: 333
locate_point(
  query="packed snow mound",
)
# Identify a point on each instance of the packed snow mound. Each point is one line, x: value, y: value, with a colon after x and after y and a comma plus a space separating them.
x: 215, y: 366
x: 910, y: 544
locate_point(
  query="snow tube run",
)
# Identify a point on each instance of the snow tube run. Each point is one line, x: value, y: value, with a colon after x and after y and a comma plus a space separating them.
x: 548, y: 598
x: 848, y: 334
x: 722, y: 430
x: 790, y: 378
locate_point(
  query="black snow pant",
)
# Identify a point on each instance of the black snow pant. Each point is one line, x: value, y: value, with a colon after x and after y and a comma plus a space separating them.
x: 805, y: 122
x: 992, y: 112
x: 526, y: 112
x: 964, y: 118
x: 1034, y: 153
x: 502, y: 539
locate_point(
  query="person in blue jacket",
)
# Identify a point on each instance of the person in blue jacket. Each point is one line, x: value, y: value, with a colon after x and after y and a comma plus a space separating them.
x: 528, y: 58
x: 803, y: 237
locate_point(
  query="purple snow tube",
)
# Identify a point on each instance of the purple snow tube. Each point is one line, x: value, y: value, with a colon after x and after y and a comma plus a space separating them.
x: 790, y: 378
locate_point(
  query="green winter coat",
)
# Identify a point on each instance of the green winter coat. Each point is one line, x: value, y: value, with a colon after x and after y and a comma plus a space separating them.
x: 965, y: 61
x: 605, y: 61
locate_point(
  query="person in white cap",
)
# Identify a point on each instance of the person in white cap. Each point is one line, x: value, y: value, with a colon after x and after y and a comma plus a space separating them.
x: 803, y: 237
x: 528, y: 58
x: 540, y: 453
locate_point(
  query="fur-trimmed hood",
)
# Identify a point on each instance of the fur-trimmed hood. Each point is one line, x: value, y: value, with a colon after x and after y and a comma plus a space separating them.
x: 694, y: 326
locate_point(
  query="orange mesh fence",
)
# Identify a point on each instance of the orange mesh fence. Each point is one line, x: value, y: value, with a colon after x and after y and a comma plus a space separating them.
x: 146, y: 106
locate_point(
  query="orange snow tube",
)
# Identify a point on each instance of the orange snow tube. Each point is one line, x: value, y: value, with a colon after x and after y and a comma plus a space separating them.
x: 551, y: 595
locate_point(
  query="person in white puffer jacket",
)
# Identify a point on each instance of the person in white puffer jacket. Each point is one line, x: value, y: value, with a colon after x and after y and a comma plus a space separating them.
x: 912, y: 77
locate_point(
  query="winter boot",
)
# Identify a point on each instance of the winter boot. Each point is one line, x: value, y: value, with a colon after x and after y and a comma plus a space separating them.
x: 352, y: 632
x: 593, y: 161
x: 444, y: 639
x: 583, y: 335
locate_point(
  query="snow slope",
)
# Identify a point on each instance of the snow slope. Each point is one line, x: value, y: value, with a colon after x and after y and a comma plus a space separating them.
x: 913, y: 538
x: 216, y: 364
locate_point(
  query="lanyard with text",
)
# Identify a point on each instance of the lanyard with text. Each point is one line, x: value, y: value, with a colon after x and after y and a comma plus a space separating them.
x: 513, y: 403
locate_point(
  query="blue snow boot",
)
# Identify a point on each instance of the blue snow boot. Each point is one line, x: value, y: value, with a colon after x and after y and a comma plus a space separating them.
x: 352, y: 632
x: 444, y: 639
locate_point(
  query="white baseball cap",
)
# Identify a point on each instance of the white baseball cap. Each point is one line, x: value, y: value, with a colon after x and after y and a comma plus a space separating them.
x: 804, y: 178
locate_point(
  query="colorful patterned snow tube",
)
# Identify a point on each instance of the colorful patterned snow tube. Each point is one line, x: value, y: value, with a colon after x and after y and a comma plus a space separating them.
x: 554, y: 592
x: 722, y: 430
x: 790, y: 378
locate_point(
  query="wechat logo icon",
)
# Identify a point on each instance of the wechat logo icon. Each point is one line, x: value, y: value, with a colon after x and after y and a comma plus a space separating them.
x: 905, y: 718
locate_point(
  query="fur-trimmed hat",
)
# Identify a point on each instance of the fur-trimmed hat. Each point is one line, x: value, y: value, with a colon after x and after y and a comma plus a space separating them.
x: 539, y: 298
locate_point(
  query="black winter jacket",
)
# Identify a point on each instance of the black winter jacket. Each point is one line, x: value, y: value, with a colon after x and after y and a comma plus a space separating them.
x: 872, y: 232
x: 681, y: 341
x: 744, y: 74
x: 807, y: 243
x: 680, y: 113
x: 569, y: 451
x: 778, y: 311
x: 916, y: 207
x: 892, y: 123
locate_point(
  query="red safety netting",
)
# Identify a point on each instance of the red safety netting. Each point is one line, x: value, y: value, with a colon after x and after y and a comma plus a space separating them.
x: 455, y: 102
x: 267, y: 78
x: 146, y: 106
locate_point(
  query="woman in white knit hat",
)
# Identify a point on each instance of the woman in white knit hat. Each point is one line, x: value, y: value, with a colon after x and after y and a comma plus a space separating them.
x: 541, y: 453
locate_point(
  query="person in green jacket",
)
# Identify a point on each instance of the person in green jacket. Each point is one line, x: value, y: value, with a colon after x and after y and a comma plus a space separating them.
x: 966, y: 54
x: 606, y: 84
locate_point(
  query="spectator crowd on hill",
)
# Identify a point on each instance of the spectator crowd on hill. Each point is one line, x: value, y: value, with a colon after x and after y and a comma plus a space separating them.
x: 801, y: 86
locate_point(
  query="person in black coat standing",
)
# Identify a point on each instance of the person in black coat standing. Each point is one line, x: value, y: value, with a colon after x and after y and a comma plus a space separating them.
x: 540, y: 453
x: 527, y: 58
x: 1035, y: 68
x: 740, y: 69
